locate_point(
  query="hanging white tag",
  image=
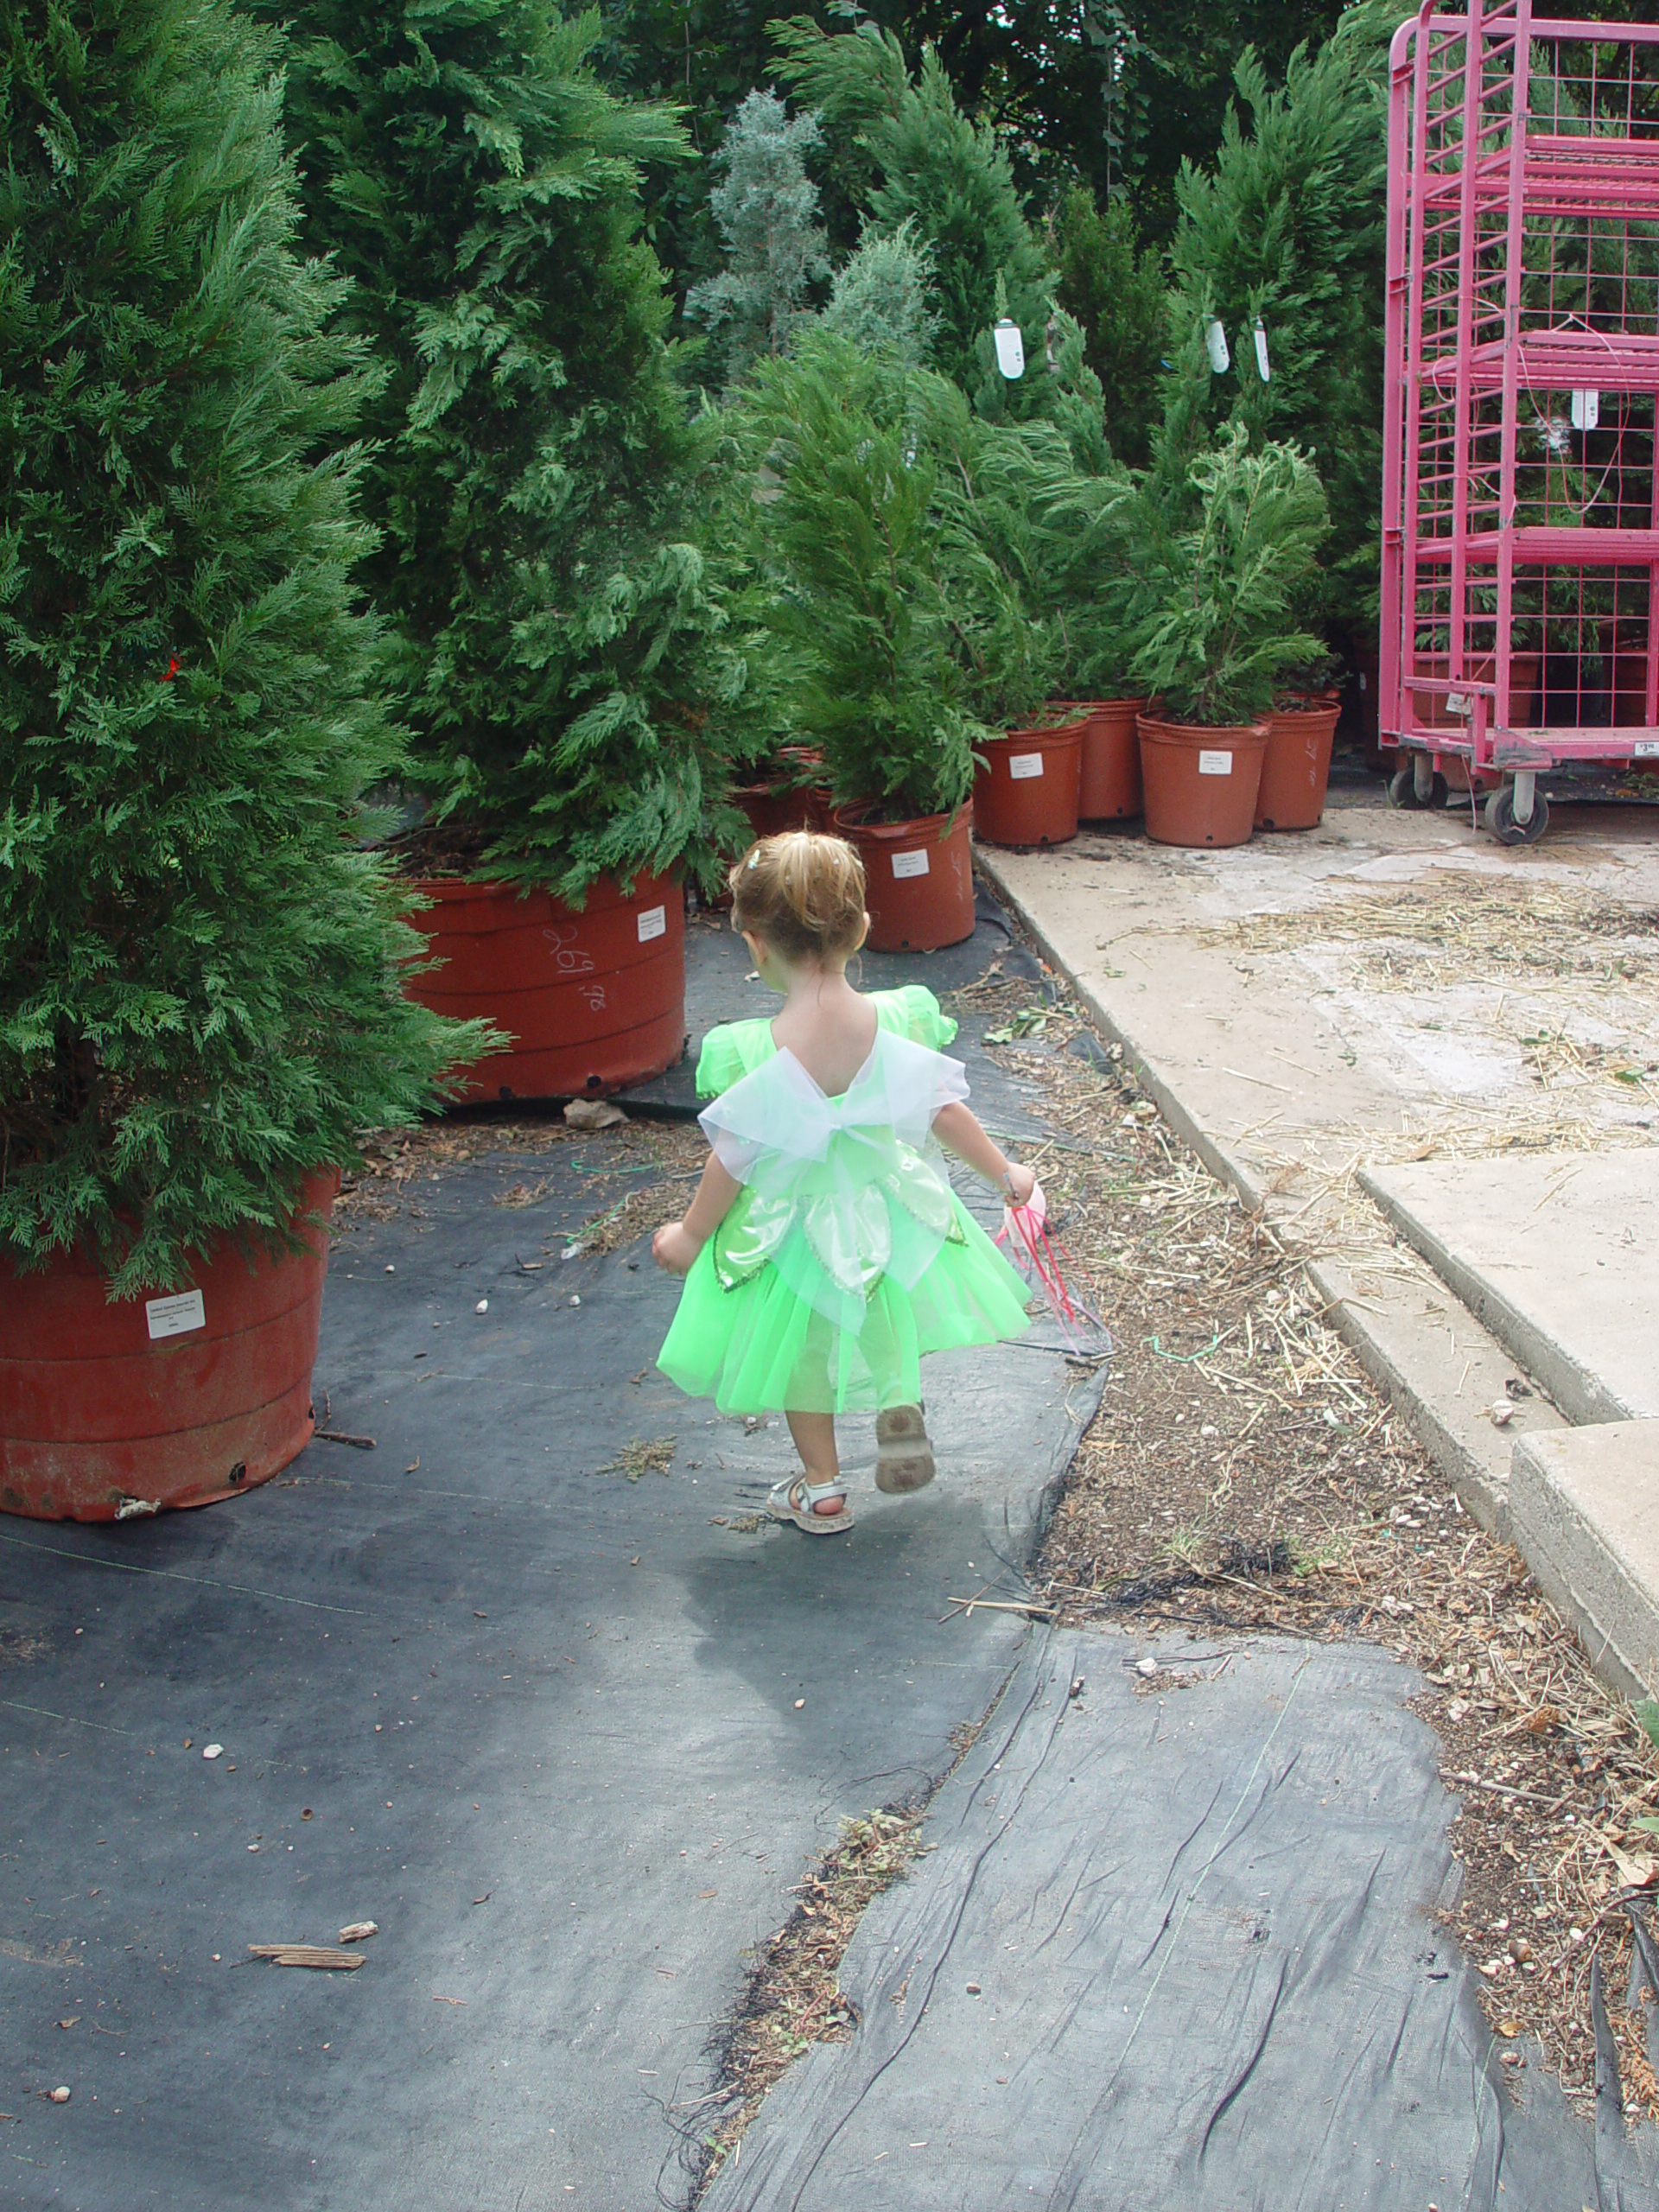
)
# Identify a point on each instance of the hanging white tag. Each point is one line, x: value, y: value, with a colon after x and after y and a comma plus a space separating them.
x: 1022, y: 767
x: 653, y: 923
x: 1586, y: 409
x: 1259, y: 332
x: 1215, y: 344
x: 905, y: 864
x: 175, y: 1316
x: 1010, y: 349
x: 1214, y: 764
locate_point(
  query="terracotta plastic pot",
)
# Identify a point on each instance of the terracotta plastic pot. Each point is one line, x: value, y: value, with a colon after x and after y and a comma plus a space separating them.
x: 1201, y: 783
x: 1296, y: 767
x: 1109, y: 788
x: 108, y: 1412
x: 1434, y: 710
x: 1026, y: 793
x: 918, y: 878
x: 593, y: 1001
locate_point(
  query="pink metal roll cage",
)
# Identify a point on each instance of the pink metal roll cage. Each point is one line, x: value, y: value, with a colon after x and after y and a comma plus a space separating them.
x: 1520, y: 618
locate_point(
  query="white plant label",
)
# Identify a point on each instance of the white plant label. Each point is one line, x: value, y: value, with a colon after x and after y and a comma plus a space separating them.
x: 1023, y: 766
x: 1645, y: 748
x: 176, y: 1316
x: 1214, y: 764
x: 1586, y: 409
x: 653, y: 923
x: 905, y: 864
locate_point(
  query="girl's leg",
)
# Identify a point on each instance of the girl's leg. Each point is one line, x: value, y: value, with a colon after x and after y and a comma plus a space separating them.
x: 815, y: 1440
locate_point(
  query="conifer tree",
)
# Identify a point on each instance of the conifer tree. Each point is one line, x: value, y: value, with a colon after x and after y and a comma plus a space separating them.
x: 198, y: 1000
x: 1288, y: 225
x: 882, y: 297
x: 767, y: 207
x: 564, y: 670
x: 912, y: 157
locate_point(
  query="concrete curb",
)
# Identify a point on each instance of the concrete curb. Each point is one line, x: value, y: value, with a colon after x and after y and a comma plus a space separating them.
x: 1587, y: 1501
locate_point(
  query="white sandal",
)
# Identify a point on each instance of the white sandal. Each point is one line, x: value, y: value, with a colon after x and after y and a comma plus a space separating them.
x: 797, y: 1501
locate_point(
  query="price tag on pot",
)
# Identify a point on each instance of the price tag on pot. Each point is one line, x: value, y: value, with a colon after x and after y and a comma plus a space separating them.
x: 653, y: 923
x: 1022, y: 767
x: 176, y: 1316
x: 1214, y: 764
x: 905, y: 864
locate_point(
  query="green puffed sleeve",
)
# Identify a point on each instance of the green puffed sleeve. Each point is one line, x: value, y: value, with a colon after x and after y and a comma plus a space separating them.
x: 916, y: 1014
x: 731, y: 1051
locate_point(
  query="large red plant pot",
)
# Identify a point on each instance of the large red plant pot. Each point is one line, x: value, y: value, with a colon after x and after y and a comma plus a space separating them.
x: 1200, y: 783
x: 1108, y: 783
x: 1027, y: 792
x: 1296, y: 767
x: 593, y: 1001
x: 111, y: 1411
x: 919, y: 879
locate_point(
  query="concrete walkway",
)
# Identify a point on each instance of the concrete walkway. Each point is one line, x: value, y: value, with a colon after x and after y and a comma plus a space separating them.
x: 1434, y: 1064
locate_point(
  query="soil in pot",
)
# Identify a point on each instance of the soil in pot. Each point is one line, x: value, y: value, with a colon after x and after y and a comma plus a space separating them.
x: 593, y: 1001
x: 918, y: 878
x: 1026, y: 793
x: 108, y: 1412
x: 1201, y: 783
x: 1108, y: 785
x: 1296, y: 767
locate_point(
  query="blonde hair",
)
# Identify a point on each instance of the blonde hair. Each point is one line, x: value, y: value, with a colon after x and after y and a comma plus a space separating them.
x: 803, y: 894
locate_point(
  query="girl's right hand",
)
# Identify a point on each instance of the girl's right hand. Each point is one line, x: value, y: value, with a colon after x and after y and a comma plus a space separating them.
x: 1020, y: 1182
x: 674, y: 1248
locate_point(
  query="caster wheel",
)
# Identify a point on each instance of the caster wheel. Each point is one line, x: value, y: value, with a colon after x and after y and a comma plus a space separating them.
x: 1403, y: 792
x: 1499, y: 818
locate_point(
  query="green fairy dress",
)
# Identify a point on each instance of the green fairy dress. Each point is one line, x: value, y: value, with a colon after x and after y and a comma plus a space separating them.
x: 847, y: 1255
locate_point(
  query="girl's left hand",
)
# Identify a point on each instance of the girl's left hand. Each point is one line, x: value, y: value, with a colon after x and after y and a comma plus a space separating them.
x: 674, y: 1248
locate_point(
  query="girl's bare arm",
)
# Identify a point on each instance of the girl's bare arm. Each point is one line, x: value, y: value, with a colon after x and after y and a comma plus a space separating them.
x: 960, y: 1131
x: 678, y: 1242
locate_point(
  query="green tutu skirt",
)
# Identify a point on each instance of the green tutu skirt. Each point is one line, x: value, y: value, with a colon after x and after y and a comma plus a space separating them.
x: 760, y: 1347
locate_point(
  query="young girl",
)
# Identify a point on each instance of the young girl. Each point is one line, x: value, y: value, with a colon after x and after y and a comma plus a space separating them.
x: 824, y: 1250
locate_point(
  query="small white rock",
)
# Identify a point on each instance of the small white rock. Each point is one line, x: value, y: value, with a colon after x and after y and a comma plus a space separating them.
x: 1148, y: 1666
x: 60, y: 2095
x: 213, y: 1751
x: 1502, y: 1412
x: 482, y: 1306
x: 391, y: 1270
x: 574, y: 1300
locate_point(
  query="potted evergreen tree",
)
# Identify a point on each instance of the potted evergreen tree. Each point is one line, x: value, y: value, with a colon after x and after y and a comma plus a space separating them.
x: 1214, y: 629
x: 565, y: 669
x: 868, y: 579
x: 199, y: 1007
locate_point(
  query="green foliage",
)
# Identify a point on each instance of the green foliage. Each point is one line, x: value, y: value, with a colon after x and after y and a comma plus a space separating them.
x: 1288, y: 225
x: 1117, y: 295
x: 564, y: 663
x: 1214, y: 624
x: 912, y: 157
x: 882, y: 298
x: 766, y: 207
x: 198, y: 1000
x: 886, y: 611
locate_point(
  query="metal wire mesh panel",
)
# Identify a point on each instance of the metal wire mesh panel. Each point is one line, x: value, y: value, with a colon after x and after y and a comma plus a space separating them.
x: 1520, y: 508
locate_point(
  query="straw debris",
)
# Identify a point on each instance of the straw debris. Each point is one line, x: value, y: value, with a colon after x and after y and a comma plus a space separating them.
x: 792, y: 1998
